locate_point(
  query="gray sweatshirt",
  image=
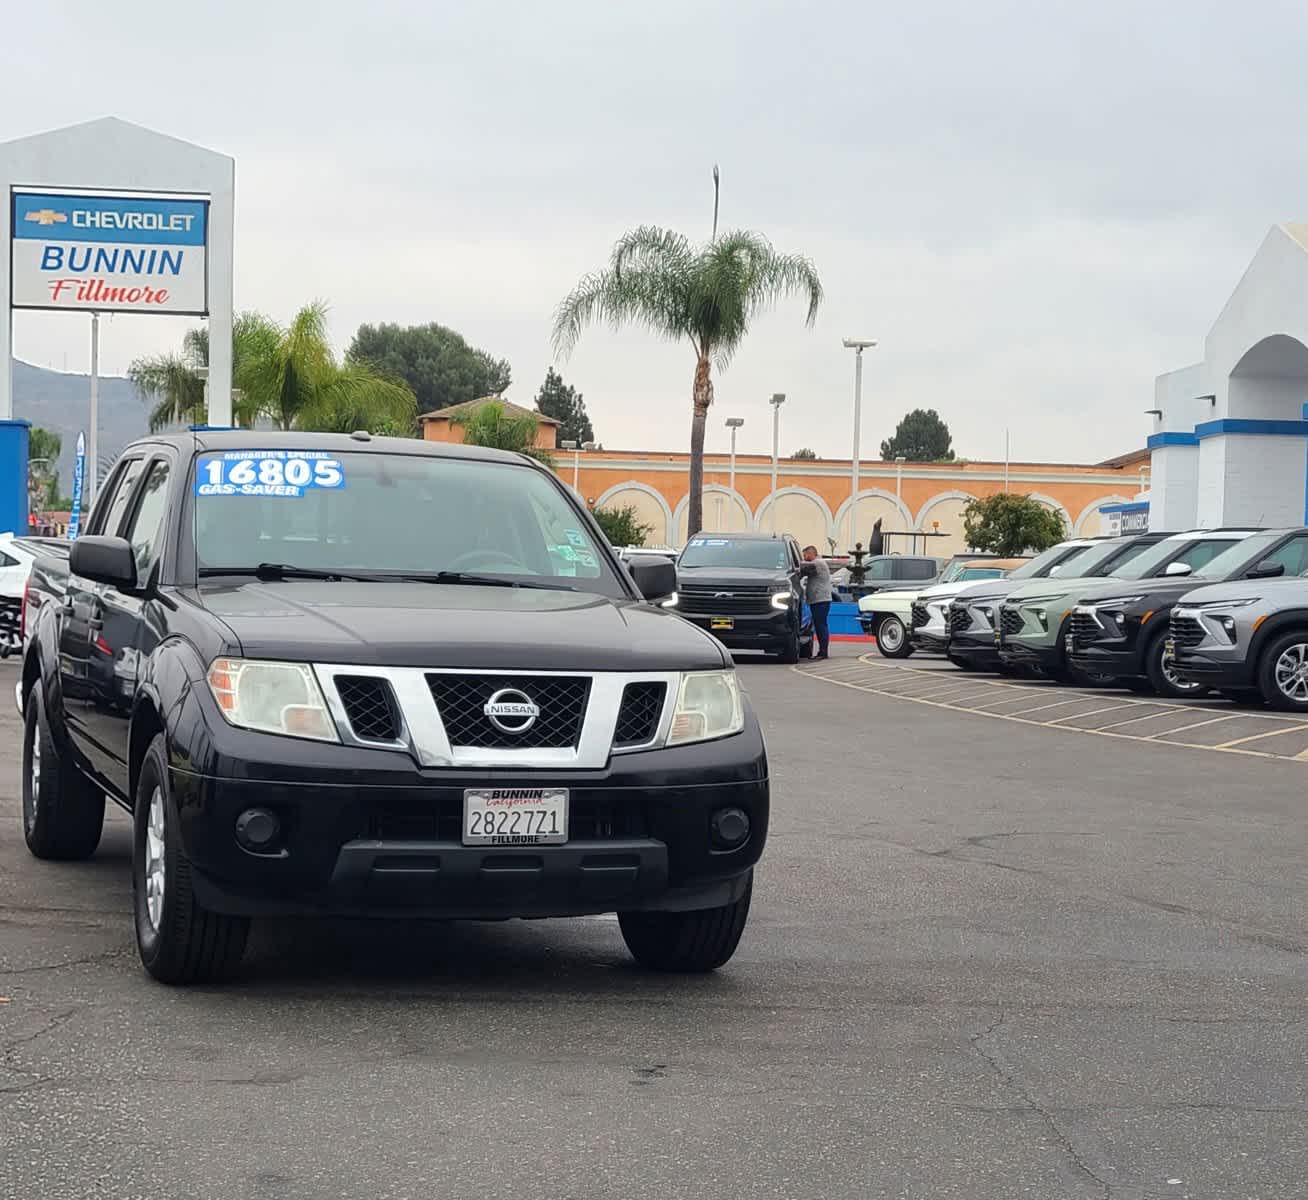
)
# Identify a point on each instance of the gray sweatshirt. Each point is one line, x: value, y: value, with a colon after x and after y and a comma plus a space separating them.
x: 817, y: 581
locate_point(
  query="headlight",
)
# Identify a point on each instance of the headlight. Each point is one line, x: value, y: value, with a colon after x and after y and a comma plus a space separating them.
x: 781, y: 600
x: 1027, y: 601
x: 670, y: 602
x: 1117, y: 601
x: 271, y: 697
x: 708, y: 706
x: 1209, y: 604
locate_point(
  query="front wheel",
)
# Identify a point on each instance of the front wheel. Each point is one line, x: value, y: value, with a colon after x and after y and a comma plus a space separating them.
x: 179, y: 940
x: 686, y: 942
x: 1162, y: 675
x: 63, y: 814
x: 1283, y: 672
x: 892, y: 638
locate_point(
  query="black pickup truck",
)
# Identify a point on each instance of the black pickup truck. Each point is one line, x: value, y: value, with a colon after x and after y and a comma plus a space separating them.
x: 335, y: 674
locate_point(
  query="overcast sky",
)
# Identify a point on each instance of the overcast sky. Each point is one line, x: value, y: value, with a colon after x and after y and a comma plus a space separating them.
x: 1035, y: 207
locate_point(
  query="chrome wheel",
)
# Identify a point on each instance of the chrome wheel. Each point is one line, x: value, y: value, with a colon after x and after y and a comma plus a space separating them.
x: 891, y: 634
x: 1291, y: 673
x: 154, y: 860
x: 1168, y: 669
x: 34, y: 777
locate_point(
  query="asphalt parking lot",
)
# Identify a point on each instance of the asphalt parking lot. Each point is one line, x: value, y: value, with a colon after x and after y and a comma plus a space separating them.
x: 988, y: 958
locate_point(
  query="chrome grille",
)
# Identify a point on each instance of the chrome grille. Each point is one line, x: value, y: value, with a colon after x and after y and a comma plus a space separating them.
x: 920, y: 615
x: 460, y: 700
x: 1186, y: 631
x: 638, y: 718
x: 370, y: 706
x: 1010, y: 619
x: 1084, y: 629
x: 725, y: 601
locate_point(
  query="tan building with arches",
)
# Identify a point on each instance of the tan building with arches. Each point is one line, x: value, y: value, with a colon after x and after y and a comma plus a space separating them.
x: 813, y: 496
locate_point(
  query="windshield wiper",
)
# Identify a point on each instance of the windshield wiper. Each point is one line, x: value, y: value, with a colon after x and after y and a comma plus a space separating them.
x: 273, y: 571
x: 487, y: 581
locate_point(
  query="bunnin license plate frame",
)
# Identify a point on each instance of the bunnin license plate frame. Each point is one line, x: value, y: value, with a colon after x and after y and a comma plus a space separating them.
x: 526, y: 816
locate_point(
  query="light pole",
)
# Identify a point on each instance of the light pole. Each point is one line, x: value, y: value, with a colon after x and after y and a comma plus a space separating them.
x: 733, y: 423
x: 570, y: 444
x: 857, y: 345
x: 778, y: 399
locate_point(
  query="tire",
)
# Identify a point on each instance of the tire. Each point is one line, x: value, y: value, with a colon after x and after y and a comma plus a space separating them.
x: 892, y: 638
x: 1163, y: 681
x: 1283, y: 672
x: 686, y: 942
x: 789, y: 652
x: 178, y: 940
x: 63, y: 812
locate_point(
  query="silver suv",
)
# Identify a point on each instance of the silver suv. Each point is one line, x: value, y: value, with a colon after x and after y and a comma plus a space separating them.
x: 1246, y: 638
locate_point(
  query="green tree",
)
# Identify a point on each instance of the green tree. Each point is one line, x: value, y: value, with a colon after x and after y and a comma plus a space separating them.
x: 43, y: 448
x: 805, y: 453
x: 556, y: 399
x: 494, y: 424
x: 436, y: 362
x: 172, y: 382
x: 1008, y: 523
x: 287, y: 376
x: 707, y: 295
x: 622, y: 526
x: 920, y: 437
x: 296, y: 383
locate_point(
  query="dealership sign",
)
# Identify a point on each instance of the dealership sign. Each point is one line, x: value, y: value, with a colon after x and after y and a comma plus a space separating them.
x: 109, y: 253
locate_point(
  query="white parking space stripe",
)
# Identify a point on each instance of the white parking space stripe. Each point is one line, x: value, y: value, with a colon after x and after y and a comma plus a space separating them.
x: 1169, y: 711
x: 1197, y: 725
x: 1059, y: 704
x: 1294, y: 728
x: 1094, y: 713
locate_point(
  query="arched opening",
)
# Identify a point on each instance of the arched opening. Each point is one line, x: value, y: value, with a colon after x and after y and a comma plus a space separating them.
x: 651, y: 508
x: 944, y: 514
x: 799, y: 512
x: 725, y: 511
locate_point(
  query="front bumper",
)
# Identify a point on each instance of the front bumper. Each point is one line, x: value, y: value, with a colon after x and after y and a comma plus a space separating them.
x: 373, y: 836
x: 977, y: 649
x: 1048, y: 656
x: 1197, y: 666
x: 930, y: 640
x: 763, y: 631
x: 1114, y: 659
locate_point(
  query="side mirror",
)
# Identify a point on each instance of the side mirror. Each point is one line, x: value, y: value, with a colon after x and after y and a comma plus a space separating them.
x: 1178, y: 568
x: 1267, y: 569
x: 653, y: 580
x: 104, y: 560
x: 1054, y: 571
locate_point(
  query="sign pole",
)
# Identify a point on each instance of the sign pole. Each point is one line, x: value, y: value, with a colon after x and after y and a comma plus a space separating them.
x: 93, y: 452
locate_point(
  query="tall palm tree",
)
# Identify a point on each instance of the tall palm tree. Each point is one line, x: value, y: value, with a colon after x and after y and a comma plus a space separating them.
x: 707, y: 295
x: 492, y: 424
x: 297, y: 383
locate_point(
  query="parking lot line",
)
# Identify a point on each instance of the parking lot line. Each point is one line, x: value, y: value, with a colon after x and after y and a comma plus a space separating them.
x: 1167, y: 711
x: 1041, y: 708
x: 1298, y: 727
x: 1096, y: 712
x: 1196, y: 725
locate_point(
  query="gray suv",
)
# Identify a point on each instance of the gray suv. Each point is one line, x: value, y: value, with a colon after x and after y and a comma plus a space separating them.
x: 1246, y: 638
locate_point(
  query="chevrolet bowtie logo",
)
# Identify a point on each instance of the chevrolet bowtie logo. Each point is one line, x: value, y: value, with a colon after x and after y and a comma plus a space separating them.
x: 46, y: 216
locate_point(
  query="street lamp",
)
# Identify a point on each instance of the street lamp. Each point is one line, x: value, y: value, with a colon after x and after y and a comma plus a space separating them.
x: 857, y: 345
x: 733, y: 423
x: 572, y: 444
x: 778, y: 399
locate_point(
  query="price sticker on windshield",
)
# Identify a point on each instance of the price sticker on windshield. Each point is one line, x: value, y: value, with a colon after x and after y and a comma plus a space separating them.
x: 285, y: 473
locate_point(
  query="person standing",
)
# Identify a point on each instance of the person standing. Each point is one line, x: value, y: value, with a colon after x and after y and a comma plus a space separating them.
x: 817, y: 591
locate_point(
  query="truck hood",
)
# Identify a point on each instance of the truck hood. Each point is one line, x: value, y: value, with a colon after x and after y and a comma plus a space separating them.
x: 990, y: 589
x: 942, y: 591
x: 456, y: 625
x: 1058, y: 585
x: 1293, y: 588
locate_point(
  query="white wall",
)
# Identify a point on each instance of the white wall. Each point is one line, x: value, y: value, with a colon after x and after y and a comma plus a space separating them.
x: 1174, y: 488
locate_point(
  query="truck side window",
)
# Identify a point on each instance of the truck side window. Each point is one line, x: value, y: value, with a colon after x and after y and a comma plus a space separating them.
x: 109, y: 509
x: 148, y: 521
x: 880, y: 568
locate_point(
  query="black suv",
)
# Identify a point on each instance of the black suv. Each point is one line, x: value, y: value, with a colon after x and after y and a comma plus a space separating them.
x: 387, y: 678
x: 746, y: 590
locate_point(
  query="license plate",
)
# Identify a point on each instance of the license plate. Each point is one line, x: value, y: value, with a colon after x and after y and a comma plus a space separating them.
x: 515, y: 816
x: 722, y: 623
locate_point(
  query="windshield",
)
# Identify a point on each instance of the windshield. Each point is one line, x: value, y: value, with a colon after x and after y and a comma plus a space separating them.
x: 1246, y: 550
x: 1093, y: 558
x: 969, y: 573
x: 762, y: 554
x: 391, y: 514
x: 1042, y: 564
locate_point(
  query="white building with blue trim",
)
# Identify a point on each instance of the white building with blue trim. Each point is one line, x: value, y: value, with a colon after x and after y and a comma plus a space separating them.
x: 1230, y: 434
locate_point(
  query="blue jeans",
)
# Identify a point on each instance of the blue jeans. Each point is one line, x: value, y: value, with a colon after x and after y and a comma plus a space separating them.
x: 821, y: 610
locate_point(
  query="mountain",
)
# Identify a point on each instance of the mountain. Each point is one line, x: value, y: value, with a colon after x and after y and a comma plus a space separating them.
x: 54, y: 400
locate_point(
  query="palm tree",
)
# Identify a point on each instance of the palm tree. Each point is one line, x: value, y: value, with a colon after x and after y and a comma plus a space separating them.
x: 490, y: 423
x: 288, y: 376
x: 297, y: 383
x: 173, y: 381
x: 707, y: 295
